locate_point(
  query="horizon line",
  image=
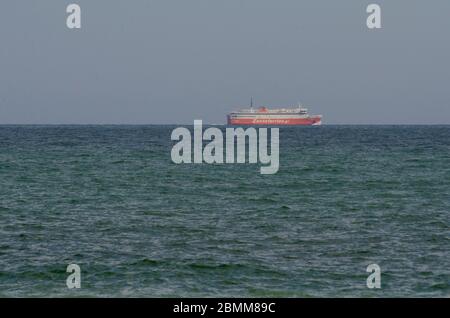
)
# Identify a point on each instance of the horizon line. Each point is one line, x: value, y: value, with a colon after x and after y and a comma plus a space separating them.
x: 218, y: 124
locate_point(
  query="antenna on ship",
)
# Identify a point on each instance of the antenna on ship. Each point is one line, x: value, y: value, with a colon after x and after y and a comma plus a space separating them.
x: 251, y: 103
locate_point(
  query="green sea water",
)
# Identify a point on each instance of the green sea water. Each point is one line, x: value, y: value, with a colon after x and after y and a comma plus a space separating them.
x: 109, y: 199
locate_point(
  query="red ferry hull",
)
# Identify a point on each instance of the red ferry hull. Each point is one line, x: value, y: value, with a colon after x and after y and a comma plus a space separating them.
x: 309, y: 121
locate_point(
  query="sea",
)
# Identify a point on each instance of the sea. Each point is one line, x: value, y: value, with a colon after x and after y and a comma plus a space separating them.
x: 110, y: 199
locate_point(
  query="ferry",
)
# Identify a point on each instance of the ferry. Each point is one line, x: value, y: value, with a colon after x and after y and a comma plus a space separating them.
x: 277, y: 116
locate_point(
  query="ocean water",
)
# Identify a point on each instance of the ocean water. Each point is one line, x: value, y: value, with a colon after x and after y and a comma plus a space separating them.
x: 109, y: 199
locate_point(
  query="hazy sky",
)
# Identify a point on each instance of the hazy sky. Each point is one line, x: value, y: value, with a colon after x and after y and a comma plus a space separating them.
x: 167, y: 61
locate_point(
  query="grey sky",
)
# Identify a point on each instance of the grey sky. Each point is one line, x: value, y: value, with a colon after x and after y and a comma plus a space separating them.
x: 167, y: 61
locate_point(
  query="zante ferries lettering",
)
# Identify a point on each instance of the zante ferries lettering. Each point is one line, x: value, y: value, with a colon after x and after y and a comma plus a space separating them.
x: 235, y: 139
x: 271, y: 121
